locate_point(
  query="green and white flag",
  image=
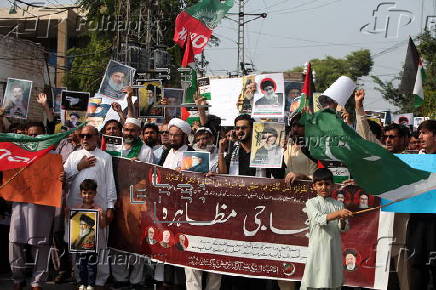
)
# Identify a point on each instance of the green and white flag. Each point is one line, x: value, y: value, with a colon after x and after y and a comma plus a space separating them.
x: 413, y: 75
x: 374, y: 168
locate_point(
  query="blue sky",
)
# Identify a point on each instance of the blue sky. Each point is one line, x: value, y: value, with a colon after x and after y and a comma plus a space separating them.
x: 296, y: 31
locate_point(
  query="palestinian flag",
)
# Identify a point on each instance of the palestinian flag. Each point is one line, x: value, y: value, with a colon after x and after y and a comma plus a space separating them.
x: 308, y: 87
x: 413, y: 75
x: 374, y: 168
x: 190, y: 114
x: 21, y: 150
x: 306, y: 98
x: 194, y: 26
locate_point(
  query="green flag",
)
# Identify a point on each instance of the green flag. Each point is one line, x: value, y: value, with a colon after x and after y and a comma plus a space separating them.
x: 374, y: 168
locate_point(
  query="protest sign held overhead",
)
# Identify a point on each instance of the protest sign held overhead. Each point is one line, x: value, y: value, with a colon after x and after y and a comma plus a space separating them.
x: 267, y: 145
x: 116, y: 78
x: 16, y: 99
x: 74, y: 101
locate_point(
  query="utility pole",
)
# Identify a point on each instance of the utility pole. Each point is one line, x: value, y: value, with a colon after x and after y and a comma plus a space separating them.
x: 240, y: 66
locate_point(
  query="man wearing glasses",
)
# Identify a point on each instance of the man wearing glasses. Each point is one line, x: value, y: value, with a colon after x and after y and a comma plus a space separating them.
x: 396, y: 138
x: 92, y: 163
x: 163, y: 137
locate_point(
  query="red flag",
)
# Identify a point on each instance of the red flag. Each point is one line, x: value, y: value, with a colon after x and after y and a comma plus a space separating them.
x: 194, y: 26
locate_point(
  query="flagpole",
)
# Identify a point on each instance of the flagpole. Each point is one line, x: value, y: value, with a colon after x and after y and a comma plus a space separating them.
x: 377, y: 208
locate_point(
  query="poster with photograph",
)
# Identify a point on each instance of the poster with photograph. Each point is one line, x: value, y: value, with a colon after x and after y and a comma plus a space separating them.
x: 72, y: 119
x: 196, y: 161
x: 246, y: 97
x: 100, y: 109
x: 268, y: 98
x: 17, y: 98
x: 292, y: 91
x: 113, y: 145
x: 116, y: 78
x: 404, y: 119
x: 418, y: 120
x: 175, y: 99
x: 57, y: 99
x: 204, y: 87
x: 267, y: 145
x: 83, y: 230
x: 150, y: 96
x: 74, y: 101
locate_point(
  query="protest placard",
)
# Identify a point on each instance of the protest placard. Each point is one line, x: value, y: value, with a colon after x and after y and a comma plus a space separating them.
x: 17, y: 98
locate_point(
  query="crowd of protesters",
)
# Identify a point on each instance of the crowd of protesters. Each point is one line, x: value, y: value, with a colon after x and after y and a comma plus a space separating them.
x: 88, y: 182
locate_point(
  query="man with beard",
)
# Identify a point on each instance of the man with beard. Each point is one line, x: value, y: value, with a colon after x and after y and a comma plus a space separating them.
x: 179, y: 131
x: 86, y: 238
x: 116, y: 80
x: 92, y: 163
x: 204, y: 141
x: 150, y: 135
x: 133, y: 147
x: 15, y: 106
x: 172, y: 158
x: 396, y: 138
x: 270, y: 98
x: 237, y: 162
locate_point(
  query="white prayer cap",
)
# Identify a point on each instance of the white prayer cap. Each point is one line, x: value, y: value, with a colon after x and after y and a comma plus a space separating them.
x: 133, y: 121
x: 182, y: 125
x: 341, y: 90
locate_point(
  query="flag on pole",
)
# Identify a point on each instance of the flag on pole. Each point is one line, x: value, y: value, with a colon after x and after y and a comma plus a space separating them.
x: 413, y: 75
x: 18, y: 150
x: 308, y: 87
x: 194, y: 26
x: 374, y: 168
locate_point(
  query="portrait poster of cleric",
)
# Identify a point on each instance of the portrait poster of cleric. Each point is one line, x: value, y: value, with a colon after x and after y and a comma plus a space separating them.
x: 268, y: 98
x: 83, y: 230
x: 16, y: 98
x: 267, y: 145
x: 116, y: 77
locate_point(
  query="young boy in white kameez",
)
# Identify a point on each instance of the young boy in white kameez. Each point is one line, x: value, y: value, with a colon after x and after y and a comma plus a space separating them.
x: 324, y: 269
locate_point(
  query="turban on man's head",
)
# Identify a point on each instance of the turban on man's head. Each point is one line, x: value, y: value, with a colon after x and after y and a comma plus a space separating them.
x: 118, y: 68
x: 86, y: 219
x: 182, y: 125
x: 133, y: 121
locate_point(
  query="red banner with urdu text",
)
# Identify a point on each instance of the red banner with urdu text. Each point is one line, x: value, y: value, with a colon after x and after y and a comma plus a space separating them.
x: 254, y: 227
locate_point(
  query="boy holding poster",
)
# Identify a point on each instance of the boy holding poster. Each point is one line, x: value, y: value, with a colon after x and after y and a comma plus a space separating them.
x: 327, y: 218
x: 87, y: 241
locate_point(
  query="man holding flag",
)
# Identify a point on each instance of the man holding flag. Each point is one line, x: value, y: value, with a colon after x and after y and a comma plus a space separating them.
x: 31, y: 223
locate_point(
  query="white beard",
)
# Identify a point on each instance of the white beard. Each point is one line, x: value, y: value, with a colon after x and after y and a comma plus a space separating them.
x: 83, y: 232
x: 115, y: 86
x: 351, y: 267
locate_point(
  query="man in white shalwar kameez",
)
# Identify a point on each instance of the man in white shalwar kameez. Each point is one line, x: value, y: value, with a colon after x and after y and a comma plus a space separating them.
x: 92, y: 163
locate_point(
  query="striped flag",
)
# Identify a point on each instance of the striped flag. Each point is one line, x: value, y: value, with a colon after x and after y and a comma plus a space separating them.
x: 413, y: 75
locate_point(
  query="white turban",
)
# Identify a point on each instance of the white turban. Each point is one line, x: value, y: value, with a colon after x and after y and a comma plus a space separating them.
x: 182, y: 125
x: 133, y: 121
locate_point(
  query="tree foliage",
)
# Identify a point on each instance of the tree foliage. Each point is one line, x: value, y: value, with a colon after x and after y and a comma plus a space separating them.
x: 88, y: 62
x: 390, y: 92
x: 356, y: 64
